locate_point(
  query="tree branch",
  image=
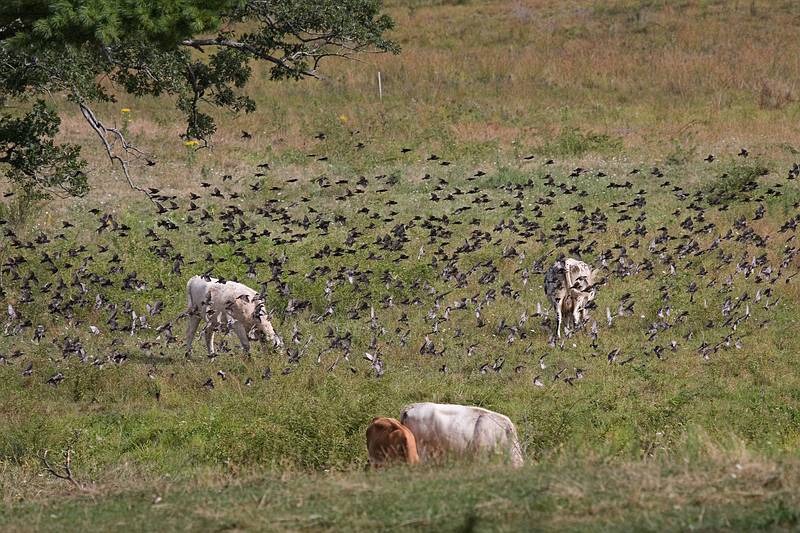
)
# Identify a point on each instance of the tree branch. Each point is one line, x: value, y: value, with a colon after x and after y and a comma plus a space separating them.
x: 227, y: 43
x: 67, y: 468
x: 103, y: 132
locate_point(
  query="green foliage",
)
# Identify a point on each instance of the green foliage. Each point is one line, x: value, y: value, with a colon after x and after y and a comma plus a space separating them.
x: 680, y: 155
x: 75, y: 47
x: 32, y: 160
x: 736, y: 182
x: 76, y: 22
x: 575, y: 143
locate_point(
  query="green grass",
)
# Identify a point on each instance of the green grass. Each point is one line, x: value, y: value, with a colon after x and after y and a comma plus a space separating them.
x: 736, y: 180
x: 148, y: 418
x: 670, y: 440
x: 669, y: 496
x: 574, y: 143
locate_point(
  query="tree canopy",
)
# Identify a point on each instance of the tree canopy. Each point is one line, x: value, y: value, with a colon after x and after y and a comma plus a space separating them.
x: 199, y: 52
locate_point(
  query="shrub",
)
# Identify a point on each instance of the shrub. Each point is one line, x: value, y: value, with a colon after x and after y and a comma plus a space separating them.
x: 736, y: 182
x: 573, y: 142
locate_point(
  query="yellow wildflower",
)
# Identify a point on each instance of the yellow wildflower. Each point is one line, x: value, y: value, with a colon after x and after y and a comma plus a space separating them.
x: 126, y: 110
x: 192, y: 142
x: 343, y: 118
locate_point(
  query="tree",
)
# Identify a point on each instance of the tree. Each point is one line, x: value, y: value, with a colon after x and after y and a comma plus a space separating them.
x: 197, y: 51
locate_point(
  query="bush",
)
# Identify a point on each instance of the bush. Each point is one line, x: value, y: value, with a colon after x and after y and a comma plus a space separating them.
x: 573, y: 142
x: 736, y: 182
x: 680, y: 155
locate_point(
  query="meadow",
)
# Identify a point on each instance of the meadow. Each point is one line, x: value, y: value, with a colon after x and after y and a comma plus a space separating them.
x: 415, y: 227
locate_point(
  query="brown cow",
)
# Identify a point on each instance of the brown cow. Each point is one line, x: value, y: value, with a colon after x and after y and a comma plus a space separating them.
x: 389, y: 441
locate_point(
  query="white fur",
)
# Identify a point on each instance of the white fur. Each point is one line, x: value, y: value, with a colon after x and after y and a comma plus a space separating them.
x: 220, y: 303
x: 442, y: 429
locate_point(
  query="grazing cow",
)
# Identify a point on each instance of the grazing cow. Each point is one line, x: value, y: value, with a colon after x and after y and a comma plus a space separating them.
x: 462, y: 430
x: 389, y: 441
x: 569, y: 285
x: 220, y: 302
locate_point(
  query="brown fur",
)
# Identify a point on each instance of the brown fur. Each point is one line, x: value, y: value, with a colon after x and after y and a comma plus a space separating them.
x: 389, y: 441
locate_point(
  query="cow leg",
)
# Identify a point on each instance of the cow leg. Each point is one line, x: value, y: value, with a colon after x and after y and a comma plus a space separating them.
x: 194, y: 321
x: 579, y: 311
x: 209, y: 334
x: 211, y: 328
x: 569, y: 316
x: 429, y: 451
x: 238, y: 328
x: 567, y: 322
x: 372, y: 459
x: 558, y: 318
x: 481, y: 438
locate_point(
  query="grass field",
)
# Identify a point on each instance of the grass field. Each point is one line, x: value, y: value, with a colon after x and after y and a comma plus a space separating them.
x: 565, y: 128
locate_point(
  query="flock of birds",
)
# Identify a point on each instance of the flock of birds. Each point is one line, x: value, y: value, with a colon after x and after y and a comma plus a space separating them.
x: 360, y: 272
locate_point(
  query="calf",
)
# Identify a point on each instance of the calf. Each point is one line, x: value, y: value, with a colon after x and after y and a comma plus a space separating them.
x: 462, y: 430
x: 389, y: 441
x: 218, y: 302
x: 569, y: 285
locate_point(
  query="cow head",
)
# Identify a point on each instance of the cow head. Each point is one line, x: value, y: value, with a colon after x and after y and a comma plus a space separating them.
x: 263, y: 325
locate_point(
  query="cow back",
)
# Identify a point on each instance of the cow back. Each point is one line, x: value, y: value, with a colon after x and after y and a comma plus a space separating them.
x: 441, y: 429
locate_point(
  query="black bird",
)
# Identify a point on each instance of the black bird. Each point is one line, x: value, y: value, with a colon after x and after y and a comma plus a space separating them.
x: 56, y: 379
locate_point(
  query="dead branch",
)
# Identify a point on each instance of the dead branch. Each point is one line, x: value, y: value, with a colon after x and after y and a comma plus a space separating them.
x: 110, y: 137
x: 66, y: 467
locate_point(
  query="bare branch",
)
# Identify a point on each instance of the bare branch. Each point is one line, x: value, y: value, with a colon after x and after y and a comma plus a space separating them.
x: 66, y: 467
x: 104, y: 132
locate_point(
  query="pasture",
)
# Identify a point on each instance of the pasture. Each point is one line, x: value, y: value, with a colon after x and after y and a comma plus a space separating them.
x: 416, y: 229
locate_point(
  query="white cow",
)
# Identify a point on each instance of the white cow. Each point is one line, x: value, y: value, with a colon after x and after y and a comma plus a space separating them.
x: 569, y: 285
x: 218, y: 302
x: 442, y: 429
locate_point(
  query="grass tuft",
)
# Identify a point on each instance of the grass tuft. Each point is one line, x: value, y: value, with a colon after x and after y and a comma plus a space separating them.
x: 572, y: 142
x: 738, y: 180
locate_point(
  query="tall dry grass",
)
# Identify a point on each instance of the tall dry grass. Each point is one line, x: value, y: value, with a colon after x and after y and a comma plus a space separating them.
x: 480, y: 80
